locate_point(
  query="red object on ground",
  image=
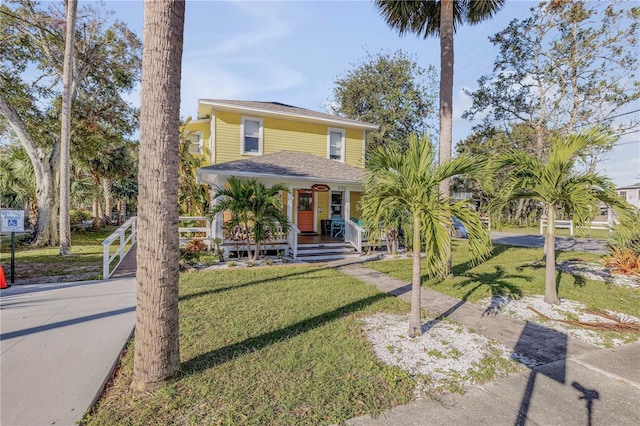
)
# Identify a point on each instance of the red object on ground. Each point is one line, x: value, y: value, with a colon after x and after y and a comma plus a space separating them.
x: 3, y: 281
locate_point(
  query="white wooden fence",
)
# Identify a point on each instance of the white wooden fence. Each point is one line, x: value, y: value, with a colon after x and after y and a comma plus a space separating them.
x: 568, y: 224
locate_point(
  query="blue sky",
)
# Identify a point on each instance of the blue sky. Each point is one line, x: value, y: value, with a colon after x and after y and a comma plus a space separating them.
x: 292, y: 51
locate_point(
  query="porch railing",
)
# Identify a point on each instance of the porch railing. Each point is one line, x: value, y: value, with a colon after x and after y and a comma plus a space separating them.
x: 205, y: 232
x: 125, y: 244
x: 353, y: 234
x: 292, y: 240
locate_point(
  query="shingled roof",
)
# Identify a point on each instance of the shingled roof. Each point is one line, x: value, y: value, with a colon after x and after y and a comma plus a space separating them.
x: 284, y: 109
x: 292, y: 165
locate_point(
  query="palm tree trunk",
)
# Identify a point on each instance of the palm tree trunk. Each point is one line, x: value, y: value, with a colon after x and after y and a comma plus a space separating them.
x: 157, y: 349
x: 550, y: 289
x: 446, y: 96
x: 65, y: 130
x: 415, y: 322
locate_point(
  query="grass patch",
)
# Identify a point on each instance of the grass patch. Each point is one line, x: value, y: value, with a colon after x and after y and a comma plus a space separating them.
x: 85, y: 261
x: 267, y: 346
x: 516, y: 272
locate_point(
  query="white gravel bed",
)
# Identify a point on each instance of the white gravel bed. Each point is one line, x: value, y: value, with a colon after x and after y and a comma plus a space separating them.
x: 444, y: 351
x: 566, y: 310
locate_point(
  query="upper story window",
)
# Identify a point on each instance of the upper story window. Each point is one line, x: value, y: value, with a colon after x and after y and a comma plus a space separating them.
x: 196, y: 142
x: 623, y: 194
x: 251, y: 136
x: 335, y: 144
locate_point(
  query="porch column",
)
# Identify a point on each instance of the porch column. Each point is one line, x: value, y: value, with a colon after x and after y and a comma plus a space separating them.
x: 290, y: 204
x: 347, y: 204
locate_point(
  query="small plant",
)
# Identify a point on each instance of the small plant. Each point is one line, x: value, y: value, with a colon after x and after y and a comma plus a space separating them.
x: 268, y: 262
x: 279, y: 254
x: 219, y: 251
x: 231, y: 264
x: 250, y: 263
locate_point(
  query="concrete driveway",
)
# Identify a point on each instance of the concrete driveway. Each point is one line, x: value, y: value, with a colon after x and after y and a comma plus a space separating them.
x: 58, y: 344
x: 590, y: 245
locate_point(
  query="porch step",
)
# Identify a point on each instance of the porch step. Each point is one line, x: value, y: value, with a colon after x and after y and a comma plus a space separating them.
x: 325, y: 251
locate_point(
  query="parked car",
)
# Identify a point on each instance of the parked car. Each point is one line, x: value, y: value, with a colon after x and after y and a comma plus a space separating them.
x: 459, y: 231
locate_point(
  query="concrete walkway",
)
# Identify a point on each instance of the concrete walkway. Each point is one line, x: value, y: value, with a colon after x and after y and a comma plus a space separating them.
x: 58, y: 345
x: 574, y: 384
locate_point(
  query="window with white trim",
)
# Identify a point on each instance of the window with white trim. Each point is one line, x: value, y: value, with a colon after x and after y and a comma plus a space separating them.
x: 335, y: 144
x: 196, y: 142
x: 623, y: 194
x: 251, y: 136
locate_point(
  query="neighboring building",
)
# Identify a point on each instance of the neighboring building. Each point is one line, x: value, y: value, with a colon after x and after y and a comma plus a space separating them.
x: 319, y: 157
x: 631, y: 194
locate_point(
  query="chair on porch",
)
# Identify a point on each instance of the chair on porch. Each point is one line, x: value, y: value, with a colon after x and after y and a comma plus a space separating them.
x: 337, y: 226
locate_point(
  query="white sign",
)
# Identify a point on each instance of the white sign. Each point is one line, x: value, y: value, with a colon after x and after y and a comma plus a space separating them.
x: 12, y: 220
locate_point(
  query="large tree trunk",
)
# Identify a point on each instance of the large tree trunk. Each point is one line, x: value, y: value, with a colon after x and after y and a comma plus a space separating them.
x: 45, y: 164
x: 446, y: 96
x: 415, y: 322
x: 550, y: 289
x: 157, y: 350
x: 65, y: 130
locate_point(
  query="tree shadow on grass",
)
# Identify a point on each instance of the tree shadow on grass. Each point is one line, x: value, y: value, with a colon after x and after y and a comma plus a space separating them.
x: 497, y: 282
x: 462, y: 268
x: 250, y: 283
x: 227, y: 353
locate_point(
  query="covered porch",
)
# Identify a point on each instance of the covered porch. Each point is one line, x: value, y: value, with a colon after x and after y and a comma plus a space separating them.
x: 321, y: 201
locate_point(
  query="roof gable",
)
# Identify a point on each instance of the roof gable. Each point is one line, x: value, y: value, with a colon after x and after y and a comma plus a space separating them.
x: 278, y: 109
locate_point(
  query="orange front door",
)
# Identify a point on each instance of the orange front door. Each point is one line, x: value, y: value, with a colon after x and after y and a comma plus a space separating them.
x: 305, y: 210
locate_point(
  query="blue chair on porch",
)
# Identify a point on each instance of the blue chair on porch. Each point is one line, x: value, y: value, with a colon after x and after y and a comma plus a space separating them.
x: 337, y: 226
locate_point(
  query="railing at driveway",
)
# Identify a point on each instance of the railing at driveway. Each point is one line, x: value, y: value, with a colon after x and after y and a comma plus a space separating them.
x: 125, y: 244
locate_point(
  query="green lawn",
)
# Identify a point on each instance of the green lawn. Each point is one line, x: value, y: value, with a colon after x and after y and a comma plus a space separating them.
x: 260, y: 346
x: 510, y: 272
x: 85, y: 261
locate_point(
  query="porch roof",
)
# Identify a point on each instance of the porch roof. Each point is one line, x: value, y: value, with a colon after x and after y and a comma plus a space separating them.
x: 289, y: 165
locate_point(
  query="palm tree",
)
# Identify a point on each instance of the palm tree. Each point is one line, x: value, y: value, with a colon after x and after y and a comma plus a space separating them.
x: 439, y: 18
x: 254, y: 206
x: 157, y: 350
x: 556, y: 184
x: 410, y: 181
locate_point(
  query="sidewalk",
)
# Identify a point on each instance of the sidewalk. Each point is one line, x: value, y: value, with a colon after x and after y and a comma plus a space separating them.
x: 58, y: 344
x: 574, y: 384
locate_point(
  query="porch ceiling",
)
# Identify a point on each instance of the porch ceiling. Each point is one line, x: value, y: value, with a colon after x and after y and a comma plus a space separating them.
x: 288, y: 165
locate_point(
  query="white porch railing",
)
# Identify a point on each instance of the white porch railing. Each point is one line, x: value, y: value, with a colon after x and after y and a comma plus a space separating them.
x: 126, y: 242
x: 353, y: 234
x: 292, y: 240
x: 207, y: 230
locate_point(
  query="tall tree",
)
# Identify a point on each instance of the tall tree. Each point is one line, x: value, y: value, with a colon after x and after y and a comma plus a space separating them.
x: 106, y: 58
x: 390, y: 90
x: 555, y: 182
x: 439, y: 18
x: 65, y: 128
x: 568, y: 65
x: 409, y: 181
x: 157, y: 349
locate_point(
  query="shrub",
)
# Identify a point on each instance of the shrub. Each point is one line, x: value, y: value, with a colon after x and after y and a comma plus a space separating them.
x: 193, y: 248
x: 76, y: 217
x: 623, y: 261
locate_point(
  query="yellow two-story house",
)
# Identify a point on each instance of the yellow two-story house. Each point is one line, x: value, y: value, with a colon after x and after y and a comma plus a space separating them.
x: 320, y: 158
